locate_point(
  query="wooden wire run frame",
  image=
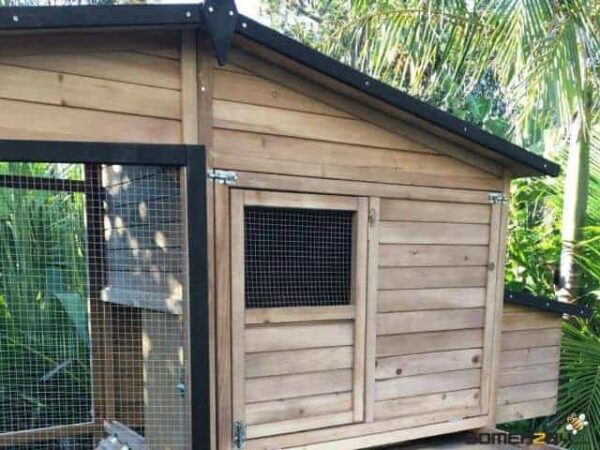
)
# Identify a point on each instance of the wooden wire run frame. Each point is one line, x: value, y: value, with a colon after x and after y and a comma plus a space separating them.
x: 94, y: 307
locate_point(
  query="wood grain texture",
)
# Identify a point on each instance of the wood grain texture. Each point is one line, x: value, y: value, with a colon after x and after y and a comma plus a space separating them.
x: 285, y: 183
x: 432, y: 255
x: 529, y: 356
x: 298, y: 361
x: 528, y: 374
x: 421, y: 321
x: 527, y: 320
x: 427, y: 384
x: 371, y: 316
x: 424, y: 363
x: 423, y: 404
x: 299, y: 424
x: 431, y: 277
x: 295, y: 200
x: 251, y: 89
x: 261, y: 119
x: 301, y: 336
x: 41, y: 121
x: 343, y: 97
x: 299, y: 314
x: 223, y: 315
x: 434, y: 233
x: 279, y: 410
x: 526, y: 410
x: 547, y: 337
x: 527, y: 392
x: 411, y: 211
x: 406, y: 344
x: 309, y: 157
x: 298, y: 385
x: 430, y: 299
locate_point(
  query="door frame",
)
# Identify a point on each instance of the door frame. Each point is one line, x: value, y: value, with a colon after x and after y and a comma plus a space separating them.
x: 231, y: 201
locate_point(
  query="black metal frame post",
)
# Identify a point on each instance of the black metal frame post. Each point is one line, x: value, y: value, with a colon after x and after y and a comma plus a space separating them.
x: 192, y: 159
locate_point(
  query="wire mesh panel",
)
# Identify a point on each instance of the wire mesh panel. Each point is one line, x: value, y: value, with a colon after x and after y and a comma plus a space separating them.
x: 92, y: 314
x: 297, y: 257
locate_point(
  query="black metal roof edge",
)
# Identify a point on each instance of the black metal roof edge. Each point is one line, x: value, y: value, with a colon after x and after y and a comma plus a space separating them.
x: 51, y: 17
x: 48, y: 17
x: 358, y: 80
x: 547, y: 305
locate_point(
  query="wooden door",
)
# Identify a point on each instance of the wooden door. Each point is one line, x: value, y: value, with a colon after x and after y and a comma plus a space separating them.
x: 298, y: 290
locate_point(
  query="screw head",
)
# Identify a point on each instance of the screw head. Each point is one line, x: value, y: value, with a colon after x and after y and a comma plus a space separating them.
x: 244, y: 25
x: 231, y: 13
x: 15, y: 18
x: 188, y: 14
x: 211, y: 9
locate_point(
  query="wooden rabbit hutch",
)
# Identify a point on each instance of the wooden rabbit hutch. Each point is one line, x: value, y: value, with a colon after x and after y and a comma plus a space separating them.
x: 333, y: 279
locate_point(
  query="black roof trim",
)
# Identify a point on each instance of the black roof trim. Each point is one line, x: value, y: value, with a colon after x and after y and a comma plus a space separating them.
x: 32, y: 18
x: 47, y: 17
x: 547, y: 305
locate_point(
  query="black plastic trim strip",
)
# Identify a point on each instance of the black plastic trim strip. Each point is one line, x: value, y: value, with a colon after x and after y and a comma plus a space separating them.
x: 48, y: 17
x: 547, y: 305
x: 198, y: 297
x: 93, y: 153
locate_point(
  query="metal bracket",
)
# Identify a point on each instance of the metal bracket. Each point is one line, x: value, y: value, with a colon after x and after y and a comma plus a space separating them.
x: 239, y: 434
x: 497, y: 198
x: 221, y: 18
x: 227, y: 177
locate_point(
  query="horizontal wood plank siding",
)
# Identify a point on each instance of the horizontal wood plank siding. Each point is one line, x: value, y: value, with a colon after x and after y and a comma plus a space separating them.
x: 432, y: 281
x: 264, y: 126
x: 529, y: 364
x: 92, y: 87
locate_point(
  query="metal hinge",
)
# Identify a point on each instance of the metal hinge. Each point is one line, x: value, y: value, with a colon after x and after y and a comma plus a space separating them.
x: 496, y: 198
x: 239, y: 434
x: 227, y: 177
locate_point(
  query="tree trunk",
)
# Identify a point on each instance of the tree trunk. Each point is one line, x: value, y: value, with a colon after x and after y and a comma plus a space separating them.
x: 574, y: 208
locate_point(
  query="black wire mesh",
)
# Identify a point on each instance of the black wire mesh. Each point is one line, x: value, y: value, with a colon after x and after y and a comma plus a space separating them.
x: 297, y: 257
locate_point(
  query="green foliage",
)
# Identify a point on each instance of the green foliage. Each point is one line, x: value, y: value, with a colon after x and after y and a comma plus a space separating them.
x: 44, y: 350
x: 580, y: 386
x: 533, y: 237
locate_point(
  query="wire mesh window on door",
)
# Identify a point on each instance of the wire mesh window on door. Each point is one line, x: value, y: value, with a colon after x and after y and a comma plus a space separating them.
x: 297, y: 257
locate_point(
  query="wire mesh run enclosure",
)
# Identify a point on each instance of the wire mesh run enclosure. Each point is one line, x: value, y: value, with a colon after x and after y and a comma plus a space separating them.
x: 94, y: 309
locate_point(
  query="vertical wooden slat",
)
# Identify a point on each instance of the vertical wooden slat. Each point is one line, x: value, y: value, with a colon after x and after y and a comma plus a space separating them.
x: 223, y: 316
x: 189, y: 88
x: 238, y: 321
x: 100, y: 312
x: 360, y: 293
x: 490, y: 308
x: 206, y: 63
x: 189, y: 127
x: 371, y: 331
x: 499, y: 289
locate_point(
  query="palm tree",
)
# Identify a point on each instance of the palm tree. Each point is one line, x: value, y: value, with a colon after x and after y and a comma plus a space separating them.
x: 542, y: 57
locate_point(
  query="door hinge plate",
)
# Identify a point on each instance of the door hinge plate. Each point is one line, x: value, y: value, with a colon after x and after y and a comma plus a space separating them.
x: 239, y: 434
x: 497, y: 198
x: 227, y: 177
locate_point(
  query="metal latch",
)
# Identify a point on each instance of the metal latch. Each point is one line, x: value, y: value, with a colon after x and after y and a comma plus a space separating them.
x: 239, y: 434
x: 497, y: 198
x: 227, y: 177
